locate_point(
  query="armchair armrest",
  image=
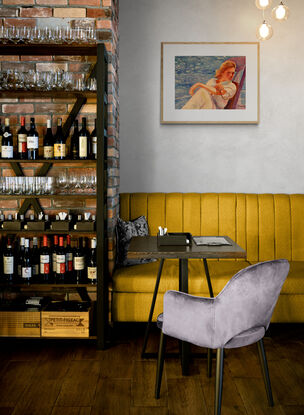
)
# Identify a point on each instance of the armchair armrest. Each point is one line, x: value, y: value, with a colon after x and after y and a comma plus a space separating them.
x: 189, y: 318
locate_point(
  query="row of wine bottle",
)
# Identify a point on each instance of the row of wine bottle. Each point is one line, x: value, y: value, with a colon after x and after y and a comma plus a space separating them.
x: 83, y: 144
x: 59, y: 262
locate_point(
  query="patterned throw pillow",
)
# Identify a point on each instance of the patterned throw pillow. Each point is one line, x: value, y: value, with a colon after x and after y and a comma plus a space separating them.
x: 124, y: 232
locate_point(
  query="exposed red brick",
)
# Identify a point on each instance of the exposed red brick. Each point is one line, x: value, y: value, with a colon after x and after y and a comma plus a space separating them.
x: 11, y: 58
x: 22, y: 67
x: 36, y: 12
x: 18, y: 108
x: 17, y: 2
x: 67, y: 203
x: 83, y: 23
x: 26, y: 58
x: 107, y: 3
x: 19, y: 22
x: 84, y: 3
x: 9, y: 12
x: 79, y: 67
x: 52, y: 2
x: 69, y: 12
x: 9, y: 204
x: 47, y: 108
x: 104, y: 24
x: 94, y: 13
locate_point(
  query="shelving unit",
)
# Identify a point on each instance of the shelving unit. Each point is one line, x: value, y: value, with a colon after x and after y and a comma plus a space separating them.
x: 99, y: 71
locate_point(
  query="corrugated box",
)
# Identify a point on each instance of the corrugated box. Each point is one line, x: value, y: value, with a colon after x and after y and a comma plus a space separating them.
x: 20, y: 323
x: 65, y: 319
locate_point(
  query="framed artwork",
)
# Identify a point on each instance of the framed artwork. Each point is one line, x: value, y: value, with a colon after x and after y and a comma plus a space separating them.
x: 209, y: 83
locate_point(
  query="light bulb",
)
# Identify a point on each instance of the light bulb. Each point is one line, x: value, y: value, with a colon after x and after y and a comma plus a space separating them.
x: 281, y: 12
x: 263, y: 4
x: 264, y: 32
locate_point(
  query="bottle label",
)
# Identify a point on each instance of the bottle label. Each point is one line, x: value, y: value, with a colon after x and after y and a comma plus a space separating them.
x: 94, y: 146
x: 54, y: 260
x: 22, y: 143
x: 92, y: 273
x: 48, y: 152
x: 60, y: 264
x: 8, y: 264
x: 7, y: 152
x: 35, y: 269
x: 59, y: 150
x: 78, y: 263
x: 69, y: 261
x: 32, y: 142
x: 26, y: 272
x: 83, y: 148
x: 44, y: 264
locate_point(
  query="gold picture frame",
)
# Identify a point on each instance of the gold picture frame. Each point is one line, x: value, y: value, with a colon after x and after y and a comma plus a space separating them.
x: 210, y: 82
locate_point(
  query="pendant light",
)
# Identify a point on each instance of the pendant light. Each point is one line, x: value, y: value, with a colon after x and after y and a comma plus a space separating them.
x: 263, y: 4
x: 281, y: 12
x: 264, y: 31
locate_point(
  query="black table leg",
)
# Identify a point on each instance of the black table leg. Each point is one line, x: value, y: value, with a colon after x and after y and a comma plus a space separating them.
x: 209, y: 351
x: 160, y: 268
x: 183, y: 286
x: 208, y: 278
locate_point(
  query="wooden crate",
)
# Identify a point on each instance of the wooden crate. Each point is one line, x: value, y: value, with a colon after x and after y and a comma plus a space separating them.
x: 65, y: 323
x: 20, y: 323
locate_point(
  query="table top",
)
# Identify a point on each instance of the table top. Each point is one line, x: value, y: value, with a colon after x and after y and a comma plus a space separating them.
x: 146, y: 247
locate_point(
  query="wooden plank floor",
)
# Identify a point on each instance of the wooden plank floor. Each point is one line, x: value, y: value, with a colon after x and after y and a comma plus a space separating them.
x: 74, y: 378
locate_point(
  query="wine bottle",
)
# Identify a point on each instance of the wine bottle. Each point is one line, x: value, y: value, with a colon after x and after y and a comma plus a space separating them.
x: 48, y: 142
x: 20, y: 259
x: 59, y: 142
x: 26, y: 267
x: 84, y: 140
x: 54, y: 256
x: 69, y: 259
x: 22, y: 140
x: 1, y: 135
x: 74, y: 151
x: 45, y: 261
x: 79, y: 263
x: 92, y: 263
x: 7, y: 148
x: 32, y: 141
x: 60, y: 260
x: 8, y: 262
x: 35, y: 260
x: 94, y: 142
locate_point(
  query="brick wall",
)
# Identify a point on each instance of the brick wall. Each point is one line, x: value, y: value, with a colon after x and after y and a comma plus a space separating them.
x: 103, y: 15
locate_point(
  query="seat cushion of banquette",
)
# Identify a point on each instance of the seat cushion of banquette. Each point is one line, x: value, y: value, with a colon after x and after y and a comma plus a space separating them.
x: 141, y: 278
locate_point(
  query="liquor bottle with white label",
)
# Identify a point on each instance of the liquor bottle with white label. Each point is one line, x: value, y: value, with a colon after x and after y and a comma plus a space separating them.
x: 8, y: 262
x: 1, y: 135
x: 22, y: 140
x: 35, y: 260
x: 60, y: 261
x: 26, y: 266
x: 69, y: 260
x: 7, y: 148
x: 84, y: 141
x: 45, y: 261
x: 79, y: 263
x: 92, y: 263
x: 48, y: 142
x: 59, y: 142
x: 94, y: 142
x: 32, y: 141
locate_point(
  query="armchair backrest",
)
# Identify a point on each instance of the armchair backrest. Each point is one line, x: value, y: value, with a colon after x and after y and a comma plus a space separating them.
x: 248, y: 299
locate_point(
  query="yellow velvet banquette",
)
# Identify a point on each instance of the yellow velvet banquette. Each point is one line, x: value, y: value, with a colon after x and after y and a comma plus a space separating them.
x: 267, y: 226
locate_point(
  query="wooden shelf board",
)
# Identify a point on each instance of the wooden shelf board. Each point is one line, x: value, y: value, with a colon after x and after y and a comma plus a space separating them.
x: 49, y: 49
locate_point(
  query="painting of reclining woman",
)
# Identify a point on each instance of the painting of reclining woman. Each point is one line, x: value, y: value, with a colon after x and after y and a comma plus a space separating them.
x: 210, y: 82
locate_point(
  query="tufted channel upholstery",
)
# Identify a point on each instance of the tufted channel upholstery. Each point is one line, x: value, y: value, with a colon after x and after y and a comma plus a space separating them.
x: 267, y: 226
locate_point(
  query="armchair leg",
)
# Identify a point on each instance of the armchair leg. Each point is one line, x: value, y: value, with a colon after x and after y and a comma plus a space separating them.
x: 160, y: 363
x: 264, y: 366
x: 209, y: 363
x: 219, y: 381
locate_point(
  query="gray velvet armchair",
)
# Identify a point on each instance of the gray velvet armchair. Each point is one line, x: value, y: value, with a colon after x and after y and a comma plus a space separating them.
x: 238, y: 316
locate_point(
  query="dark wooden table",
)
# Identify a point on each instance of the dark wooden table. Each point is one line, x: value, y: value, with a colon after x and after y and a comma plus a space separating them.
x: 147, y: 247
